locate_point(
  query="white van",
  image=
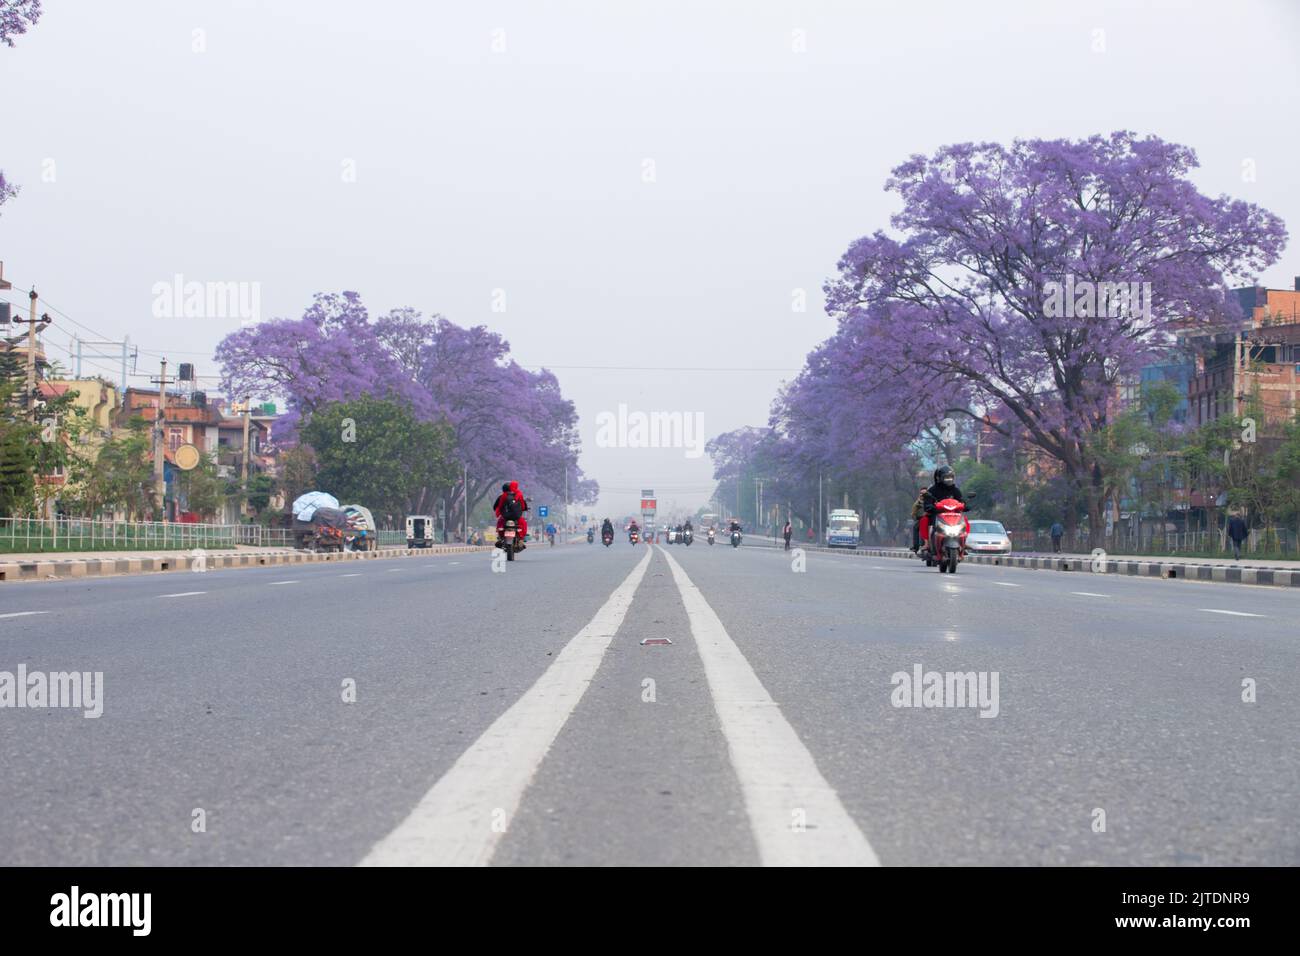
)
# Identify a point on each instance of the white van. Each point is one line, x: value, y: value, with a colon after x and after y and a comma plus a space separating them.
x: 419, y: 531
x: 842, y: 528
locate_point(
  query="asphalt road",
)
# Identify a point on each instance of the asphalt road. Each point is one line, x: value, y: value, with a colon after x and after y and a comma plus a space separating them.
x: 516, y: 717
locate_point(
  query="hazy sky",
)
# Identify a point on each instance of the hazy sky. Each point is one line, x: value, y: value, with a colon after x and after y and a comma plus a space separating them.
x: 647, y: 183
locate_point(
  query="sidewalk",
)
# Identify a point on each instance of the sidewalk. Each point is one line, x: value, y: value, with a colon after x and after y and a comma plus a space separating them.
x: 46, y: 566
x: 1275, y: 573
x: 29, y: 557
x: 1224, y: 561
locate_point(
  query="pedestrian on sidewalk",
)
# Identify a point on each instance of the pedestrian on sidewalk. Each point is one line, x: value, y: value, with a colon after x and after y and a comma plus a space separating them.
x: 1057, y: 532
x: 786, y: 532
x: 1237, y: 532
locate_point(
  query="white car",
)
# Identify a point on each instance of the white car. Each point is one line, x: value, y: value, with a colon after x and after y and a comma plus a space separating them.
x: 988, y: 537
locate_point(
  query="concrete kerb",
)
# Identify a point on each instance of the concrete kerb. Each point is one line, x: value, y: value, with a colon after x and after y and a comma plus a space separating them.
x: 45, y: 570
x: 1170, y: 570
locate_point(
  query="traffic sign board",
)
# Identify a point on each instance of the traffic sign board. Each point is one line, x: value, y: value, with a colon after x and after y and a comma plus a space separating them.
x: 543, y: 511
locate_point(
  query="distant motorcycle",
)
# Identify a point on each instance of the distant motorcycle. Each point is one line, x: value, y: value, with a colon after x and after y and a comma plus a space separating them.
x: 710, y: 536
x: 735, y: 538
x: 591, y: 536
x: 634, y: 537
x: 688, y: 536
x: 607, y: 538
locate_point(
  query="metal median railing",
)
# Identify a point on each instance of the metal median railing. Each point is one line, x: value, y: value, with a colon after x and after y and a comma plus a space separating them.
x: 24, y: 535
x: 53, y: 535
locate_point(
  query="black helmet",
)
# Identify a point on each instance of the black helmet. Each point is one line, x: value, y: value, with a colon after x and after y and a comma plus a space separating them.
x: 505, y: 488
x: 945, y: 476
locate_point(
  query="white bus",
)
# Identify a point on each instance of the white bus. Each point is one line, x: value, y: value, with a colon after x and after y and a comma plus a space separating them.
x: 842, y: 529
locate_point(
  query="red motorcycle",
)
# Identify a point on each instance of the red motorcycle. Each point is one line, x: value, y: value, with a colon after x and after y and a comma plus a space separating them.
x: 947, y: 536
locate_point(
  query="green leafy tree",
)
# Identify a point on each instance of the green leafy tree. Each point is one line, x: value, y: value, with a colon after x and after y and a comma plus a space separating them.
x: 121, y: 477
x: 201, y: 489
x: 260, y: 488
x: 17, y: 442
x: 376, y: 453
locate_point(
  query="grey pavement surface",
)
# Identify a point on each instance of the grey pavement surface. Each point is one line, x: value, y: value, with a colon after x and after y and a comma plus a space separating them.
x: 1115, y: 694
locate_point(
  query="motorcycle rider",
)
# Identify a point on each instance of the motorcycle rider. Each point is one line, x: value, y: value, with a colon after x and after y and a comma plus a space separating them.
x: 606, y: 528
x: 945, y: 486
x: 632, y: 529
x: 918, y: 512
x: 510, y: 493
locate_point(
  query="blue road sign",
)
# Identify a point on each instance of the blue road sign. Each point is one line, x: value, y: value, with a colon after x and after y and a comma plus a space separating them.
x: 543, y: 511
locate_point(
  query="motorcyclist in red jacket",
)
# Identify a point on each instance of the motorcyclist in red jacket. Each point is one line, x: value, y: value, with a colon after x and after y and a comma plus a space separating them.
x: 510, y: 490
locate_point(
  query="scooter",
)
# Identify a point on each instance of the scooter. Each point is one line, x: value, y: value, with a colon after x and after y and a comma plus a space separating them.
x: 634, y: 537
x: 591, y: 536
x: 607, y: 538
x: 946, y: 545
x: 710, y: 536
x: 735, y: 539
x: 687, y: 537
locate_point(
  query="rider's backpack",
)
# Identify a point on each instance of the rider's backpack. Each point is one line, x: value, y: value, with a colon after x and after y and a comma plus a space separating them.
x: 511, y: 509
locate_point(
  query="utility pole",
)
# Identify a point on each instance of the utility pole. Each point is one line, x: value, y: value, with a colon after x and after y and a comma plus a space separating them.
x: 1236, y: 375
x: 32, y: 321
x: 159, y: 444
x: 244, y: 460
x: 31, y: 352
x: 466, y: 504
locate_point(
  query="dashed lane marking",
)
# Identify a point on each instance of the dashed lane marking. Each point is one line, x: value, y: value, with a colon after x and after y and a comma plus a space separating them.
x: 460, y: 821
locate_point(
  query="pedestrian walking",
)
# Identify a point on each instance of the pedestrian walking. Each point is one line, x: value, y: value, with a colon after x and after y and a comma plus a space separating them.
x: 786, y: 532
x: 1057, y: 532
x: 1237, y: 532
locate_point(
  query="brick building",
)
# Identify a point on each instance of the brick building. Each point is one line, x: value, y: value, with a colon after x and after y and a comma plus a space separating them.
x: 1260, y: 360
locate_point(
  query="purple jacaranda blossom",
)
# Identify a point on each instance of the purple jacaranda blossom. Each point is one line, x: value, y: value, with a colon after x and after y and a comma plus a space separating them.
x: 963, y: 309
x: 16, y: 16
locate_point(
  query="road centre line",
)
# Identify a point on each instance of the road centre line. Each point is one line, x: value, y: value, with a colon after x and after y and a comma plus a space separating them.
x: 778, y: 776
x: 454, y: 823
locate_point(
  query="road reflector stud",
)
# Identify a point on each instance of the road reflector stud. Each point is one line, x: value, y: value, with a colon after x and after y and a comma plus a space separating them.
x: 655, y: 641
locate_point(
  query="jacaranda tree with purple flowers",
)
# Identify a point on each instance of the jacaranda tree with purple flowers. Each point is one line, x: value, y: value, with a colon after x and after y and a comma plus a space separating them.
x: 987, y: 296
x: 508, y: 422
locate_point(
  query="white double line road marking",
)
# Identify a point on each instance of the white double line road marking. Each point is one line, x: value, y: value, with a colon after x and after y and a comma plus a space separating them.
x: 1215, y: 610
x: 777, y: 774
x: 23, y: 613
x: 453, y: 824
